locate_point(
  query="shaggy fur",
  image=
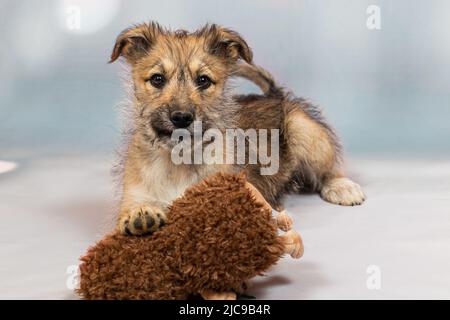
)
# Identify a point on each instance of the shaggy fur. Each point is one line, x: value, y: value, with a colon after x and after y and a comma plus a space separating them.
x: 309, y: 155
x: 217, y: 237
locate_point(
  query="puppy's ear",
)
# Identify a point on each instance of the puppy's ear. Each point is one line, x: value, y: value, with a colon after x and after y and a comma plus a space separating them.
x: 226, y: 43
x: 133, y: 43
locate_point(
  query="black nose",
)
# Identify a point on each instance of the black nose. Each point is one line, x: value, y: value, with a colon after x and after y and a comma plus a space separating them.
x: 181, y: 119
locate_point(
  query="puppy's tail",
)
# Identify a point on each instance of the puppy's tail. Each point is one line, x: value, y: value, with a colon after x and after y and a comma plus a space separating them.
x: 261, y: 77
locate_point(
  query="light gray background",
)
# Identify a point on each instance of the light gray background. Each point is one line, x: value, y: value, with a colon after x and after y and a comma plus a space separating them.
x: 387, y: 92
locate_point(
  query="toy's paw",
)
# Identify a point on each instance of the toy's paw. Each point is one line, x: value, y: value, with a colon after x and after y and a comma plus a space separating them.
x: 142, y: 220
x: 343, y: 191
x: 293, y: 244
x: 212, y: 295
x: 284, y: 221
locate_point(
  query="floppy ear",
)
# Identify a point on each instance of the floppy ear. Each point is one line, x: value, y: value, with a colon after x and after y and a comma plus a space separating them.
x: 133, y: 43
x: 227, y: 43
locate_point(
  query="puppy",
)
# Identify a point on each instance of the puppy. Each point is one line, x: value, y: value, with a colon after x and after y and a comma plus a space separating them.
x: 180, y: 77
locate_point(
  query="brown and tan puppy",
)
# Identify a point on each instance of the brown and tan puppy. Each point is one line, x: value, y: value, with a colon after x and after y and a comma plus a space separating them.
x: 219, y: 234
x: 179, y: 77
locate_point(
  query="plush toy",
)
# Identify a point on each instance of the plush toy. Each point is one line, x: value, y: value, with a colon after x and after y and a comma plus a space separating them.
x: 219, y: 234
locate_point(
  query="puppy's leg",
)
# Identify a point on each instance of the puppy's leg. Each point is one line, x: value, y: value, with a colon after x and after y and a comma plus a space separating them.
x: 140, y: 212
x: 316, y: 151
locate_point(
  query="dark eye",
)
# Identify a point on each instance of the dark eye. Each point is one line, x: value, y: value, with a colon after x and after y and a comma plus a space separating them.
x: 157, y: 80
x: 203, y: 82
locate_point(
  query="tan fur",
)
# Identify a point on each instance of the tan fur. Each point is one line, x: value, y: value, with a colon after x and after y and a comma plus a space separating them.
x: 309, y: 150
x: 310, y: 143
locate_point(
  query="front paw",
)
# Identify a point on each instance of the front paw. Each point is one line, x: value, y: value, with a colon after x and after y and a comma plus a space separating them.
x: 141, y: 220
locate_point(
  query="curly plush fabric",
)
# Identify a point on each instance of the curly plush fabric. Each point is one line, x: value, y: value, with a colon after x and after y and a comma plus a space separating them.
x: 217, y: 237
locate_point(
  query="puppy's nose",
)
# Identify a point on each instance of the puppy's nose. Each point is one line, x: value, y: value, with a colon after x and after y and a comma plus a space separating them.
x: 181, y: 119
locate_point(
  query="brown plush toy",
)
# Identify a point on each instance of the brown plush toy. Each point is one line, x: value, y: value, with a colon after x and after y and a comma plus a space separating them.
x: 219, y: 234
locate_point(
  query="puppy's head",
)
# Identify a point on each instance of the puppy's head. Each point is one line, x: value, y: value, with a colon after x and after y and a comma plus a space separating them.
x: 180, y: 77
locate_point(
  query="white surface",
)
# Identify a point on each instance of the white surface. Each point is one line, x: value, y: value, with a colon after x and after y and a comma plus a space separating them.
x: 6, y: 166
x: 53, y: 208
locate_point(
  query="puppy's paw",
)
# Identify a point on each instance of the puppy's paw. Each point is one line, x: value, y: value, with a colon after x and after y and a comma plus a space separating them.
x: 141, y: 220
x: 342, y: 191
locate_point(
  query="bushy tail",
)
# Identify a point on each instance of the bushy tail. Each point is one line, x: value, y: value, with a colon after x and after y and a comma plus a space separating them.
x: 261, y: 77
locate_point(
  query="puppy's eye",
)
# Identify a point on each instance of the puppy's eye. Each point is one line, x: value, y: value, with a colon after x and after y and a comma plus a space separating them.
x: 203, y: 82
x: 157, y: 80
